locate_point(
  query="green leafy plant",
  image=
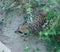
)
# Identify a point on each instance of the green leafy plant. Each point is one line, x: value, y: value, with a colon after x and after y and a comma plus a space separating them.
x: 26, y: 49
x: 51, y: 27
x: 3, y: 51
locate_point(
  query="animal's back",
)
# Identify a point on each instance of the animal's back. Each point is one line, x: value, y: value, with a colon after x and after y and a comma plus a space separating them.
x: 33, y: 27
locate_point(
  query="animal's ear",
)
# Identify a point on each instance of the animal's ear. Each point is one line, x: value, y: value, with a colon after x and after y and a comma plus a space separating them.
x: 45, y: 15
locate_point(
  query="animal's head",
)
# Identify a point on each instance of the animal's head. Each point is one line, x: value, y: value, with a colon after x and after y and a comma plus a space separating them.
x: 22, y: 29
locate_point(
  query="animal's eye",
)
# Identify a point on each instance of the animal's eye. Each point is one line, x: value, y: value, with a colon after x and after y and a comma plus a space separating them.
x: 20, y: 32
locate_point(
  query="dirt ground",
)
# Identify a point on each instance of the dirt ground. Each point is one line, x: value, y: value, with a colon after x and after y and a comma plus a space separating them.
x: 13, y: 40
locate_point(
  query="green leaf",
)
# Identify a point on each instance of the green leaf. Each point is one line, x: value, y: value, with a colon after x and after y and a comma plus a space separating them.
x: 46, y: 33
x: 42, y: 5
x: 26, y: 49
x: 38, y: 49
x: 53, y: 2
x: 58, y: 50
x: 3, y: 50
